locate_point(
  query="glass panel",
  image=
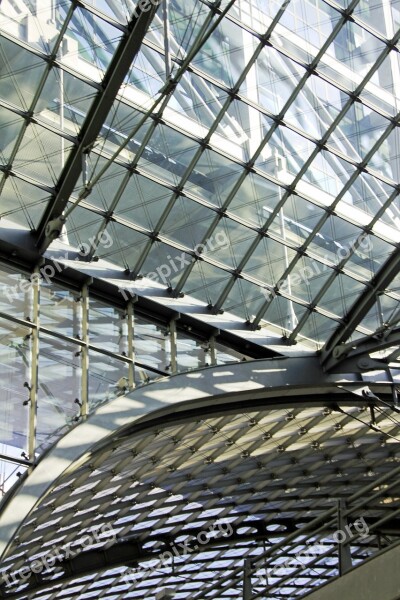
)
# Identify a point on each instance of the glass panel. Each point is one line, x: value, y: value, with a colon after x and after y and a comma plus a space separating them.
x: 60, y: 309
x: 37, y: 24
x: 269, y: 261
x: 64, y: 101
x: 244, y: 299
x: 59, y: 385
x: 255, y: 199
x: 271, y: 80
x: 41, y: 155
x: 315, y: 107
x: 223, y: 55
x: 15, y: 362
x: 115, y: 9
x: 108, y: 327
x: 306, y: 279
x: 317, y: 328
x: 9, y: 474
x: 308, y: 25
x: 186, y: 19
x: 82, y: 228
x: 191, y: 353
x: 10, y: 126
x: 20, y: 71
x: 213, y: 177
x: 108, y: 378
x: 16, y: 297
x: 200, y: 101
x: 188, y: 223
x: 285, y: 314
x: 353, y: 51
x: 152, y: 345
x: 167, y: 155
x: 377, y: 16
x: 22, y: 203
x: 341, y: 295
x: 206, y: 282
x: 89, y: 44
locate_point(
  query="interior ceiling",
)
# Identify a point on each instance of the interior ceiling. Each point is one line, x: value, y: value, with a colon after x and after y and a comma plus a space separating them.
x: 267, y: 472
x: 268, y: 136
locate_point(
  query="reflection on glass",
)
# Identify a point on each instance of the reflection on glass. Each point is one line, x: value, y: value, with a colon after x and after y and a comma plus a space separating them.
x: 108, y: 328
x: 60, y: 310
x: 191, y: 353
x: 59, y: 386
x: 15, y: 296
x: 14, y: 372
x: 152, y: 345
x: 108, y: 378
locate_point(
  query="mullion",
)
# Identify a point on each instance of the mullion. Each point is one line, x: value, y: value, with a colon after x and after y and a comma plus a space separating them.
x: 165, y: 93
x: 50, y: 60
x: 351, y: 251
x: 297, y: 90
x: 319, y: 147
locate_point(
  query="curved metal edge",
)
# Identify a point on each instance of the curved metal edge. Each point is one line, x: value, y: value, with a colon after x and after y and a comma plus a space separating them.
x: 239, y: 382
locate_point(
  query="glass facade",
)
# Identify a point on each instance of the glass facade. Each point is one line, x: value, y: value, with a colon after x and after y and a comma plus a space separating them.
x: 247, y: 166
x: 269, y: 167
x: 64, y: 352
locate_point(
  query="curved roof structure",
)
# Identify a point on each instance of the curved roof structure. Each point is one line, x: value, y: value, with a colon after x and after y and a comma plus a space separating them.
x: 140, y: 499
x: 185, y: 187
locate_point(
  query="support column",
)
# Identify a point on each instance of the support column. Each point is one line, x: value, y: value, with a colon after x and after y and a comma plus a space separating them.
x: 33, y: 392
x: 247, y: 591
x: 213, y: 350
x: 131, y: 345
x: 174, y: 346
x: 85, y: 352
x: 345, y: 563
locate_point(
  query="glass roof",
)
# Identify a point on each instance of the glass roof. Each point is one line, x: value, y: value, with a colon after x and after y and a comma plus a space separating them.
x: 250, y: 159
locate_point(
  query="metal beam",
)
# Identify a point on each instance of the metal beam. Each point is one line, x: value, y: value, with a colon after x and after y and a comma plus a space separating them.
x: 265, y: 381
x: 355, y: 356
x: 119, y: 66
x: 247, y: 591
x: 131, y: 551
x: 335, y: 350
x: 18, y: 254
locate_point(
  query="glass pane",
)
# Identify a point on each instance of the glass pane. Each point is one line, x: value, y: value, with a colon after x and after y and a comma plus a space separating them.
x: 108, y: 327
x: 152, y: 344
x: 59, y: 385
x: 60, y: 309
x: 16, y: 296
x: 191, y: 353
x: 20, y: 71
x: 108, y: 378
x: 15, y: 363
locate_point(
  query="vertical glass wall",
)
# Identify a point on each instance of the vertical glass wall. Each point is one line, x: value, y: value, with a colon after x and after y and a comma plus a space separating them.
x: 64, y: 352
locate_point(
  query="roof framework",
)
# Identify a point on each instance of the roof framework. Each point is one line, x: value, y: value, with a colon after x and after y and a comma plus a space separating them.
x: 298, y: 182
x: 233, y: 167
x: 262, y: 469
